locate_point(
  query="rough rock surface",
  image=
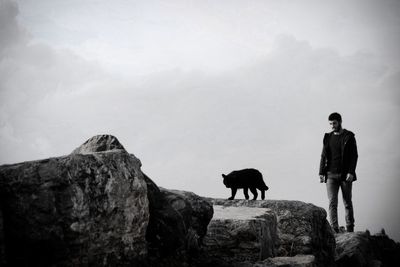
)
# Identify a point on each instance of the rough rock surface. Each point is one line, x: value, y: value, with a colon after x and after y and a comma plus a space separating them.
x: 195, y: 211
x: 302, y: 228
x: 178, y: 223
x: 95, y: 207
x: 2, y: 248
x: 177, y: 219
x: 359, y: 249
x: 100, y: 143
x: 353, y: 249
x: 240, y: 234
x: 296, y: 261
x: 76, y: 210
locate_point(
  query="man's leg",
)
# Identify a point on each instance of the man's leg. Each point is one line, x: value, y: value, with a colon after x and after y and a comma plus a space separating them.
x: 332, y: 186
x: 348, y: 205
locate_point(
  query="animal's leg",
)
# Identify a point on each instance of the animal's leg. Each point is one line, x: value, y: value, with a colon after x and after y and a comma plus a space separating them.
x: 254, y: 191
x: 246, y: 192
x: 233, y: 193
x: 262, y: 194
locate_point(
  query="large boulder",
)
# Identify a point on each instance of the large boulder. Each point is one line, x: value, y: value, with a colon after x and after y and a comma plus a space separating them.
x: 386, y: 250
x: 302, y: 228
x: 95, y: 207
x: 353, y: 249
x: 195, y: 211
x: 178, y: 223
x: 177, y: 219
x: 240, y: 234
x: 166, y: 230
x: 360, y: 249
x: 77, y: 210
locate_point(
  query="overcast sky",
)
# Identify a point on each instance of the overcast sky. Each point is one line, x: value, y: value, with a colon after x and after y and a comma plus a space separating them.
x: 200, y: 88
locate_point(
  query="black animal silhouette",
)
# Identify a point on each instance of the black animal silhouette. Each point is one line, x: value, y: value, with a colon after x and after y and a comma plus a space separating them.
x: 247, y: 179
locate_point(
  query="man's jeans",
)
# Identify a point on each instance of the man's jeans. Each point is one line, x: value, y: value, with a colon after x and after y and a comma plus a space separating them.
x: 333, y: 184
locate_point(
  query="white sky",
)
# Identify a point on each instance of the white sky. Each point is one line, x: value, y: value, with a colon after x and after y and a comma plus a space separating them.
x: 200, y: 88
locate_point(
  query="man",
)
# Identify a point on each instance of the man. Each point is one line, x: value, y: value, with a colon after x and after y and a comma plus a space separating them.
x: 337, y: 169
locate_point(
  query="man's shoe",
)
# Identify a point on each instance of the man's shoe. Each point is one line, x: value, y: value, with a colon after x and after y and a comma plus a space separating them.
x: 350, y: 229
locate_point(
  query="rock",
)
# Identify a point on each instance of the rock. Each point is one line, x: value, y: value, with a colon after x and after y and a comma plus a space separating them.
x: 195, y: 211
x: 166, y: 230
x: 296, y: 261
x: 96, y: 207
x: 239, y: 234
x: 178, y: 223
x: 78, y: 210
x: 302, y: 228
x: 177, y: 220
x: 359, y: 249
x: 353, y: 249
x: 2, y: 241
x: 99, y: 143
x: 386, y: 250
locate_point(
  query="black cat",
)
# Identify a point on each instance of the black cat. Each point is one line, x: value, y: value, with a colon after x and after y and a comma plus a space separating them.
x: 247, y: 178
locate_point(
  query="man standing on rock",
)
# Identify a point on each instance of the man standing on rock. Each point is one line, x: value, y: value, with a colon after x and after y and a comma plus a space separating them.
x: 337, y: 169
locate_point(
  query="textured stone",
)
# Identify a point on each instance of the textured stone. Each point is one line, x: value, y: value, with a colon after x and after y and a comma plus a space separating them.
x: 166, y: 230
x: 239, y: 234
x: 76, y: 210
x: 360, y: 249
x: 2, y: 241
x: 99, y: 143
x: 353, y: 249
x: 95, y: 207
x: 196, y: 211
x: 302, y: 228
x: 178, y: 223
x: 296, y: 261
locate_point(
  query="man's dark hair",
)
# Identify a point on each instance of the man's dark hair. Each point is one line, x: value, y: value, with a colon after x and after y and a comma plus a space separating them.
x: 335, y: 117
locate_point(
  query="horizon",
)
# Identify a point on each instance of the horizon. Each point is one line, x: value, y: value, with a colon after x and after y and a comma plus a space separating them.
x: 196, y: 89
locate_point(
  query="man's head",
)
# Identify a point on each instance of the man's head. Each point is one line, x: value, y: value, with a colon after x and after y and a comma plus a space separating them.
x: 335, y: 121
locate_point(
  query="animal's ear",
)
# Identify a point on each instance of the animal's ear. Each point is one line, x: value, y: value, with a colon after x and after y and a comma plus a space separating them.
x: 223, y: 175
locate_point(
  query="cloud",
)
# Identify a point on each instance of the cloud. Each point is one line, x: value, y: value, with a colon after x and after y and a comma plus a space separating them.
x: 30, y: 74
x: 10, y: 31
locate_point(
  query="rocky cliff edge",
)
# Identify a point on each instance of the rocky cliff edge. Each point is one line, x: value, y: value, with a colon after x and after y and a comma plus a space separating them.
x: 95, y: 207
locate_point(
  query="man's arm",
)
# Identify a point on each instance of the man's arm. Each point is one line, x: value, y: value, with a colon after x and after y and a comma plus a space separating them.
x: 322, y: 173
x: 353, y: 157
x: 322, y: 164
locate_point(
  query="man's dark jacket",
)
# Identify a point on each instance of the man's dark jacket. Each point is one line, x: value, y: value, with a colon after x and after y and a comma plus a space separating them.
x: 349, y: 154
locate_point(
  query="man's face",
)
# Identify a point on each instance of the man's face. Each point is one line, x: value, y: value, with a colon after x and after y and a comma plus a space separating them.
x: 335, y: 125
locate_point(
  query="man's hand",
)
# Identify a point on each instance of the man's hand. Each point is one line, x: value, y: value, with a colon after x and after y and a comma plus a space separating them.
x: 322, y: 179
x: 349, y: 178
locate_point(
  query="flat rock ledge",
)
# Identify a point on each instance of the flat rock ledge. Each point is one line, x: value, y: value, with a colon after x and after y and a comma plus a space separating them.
x: 296, y: 261
x: 291, y: 229
x: 239, y: 234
